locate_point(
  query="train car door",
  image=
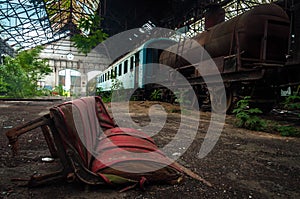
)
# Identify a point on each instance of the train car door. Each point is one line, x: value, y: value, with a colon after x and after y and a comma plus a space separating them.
x: 136, y: 68
x: 151, y: 57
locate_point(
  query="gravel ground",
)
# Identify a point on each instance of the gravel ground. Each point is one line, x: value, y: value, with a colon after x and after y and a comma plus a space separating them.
x: 243, y: 163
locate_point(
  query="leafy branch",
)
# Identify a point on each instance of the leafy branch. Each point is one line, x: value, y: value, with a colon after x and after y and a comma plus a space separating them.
x: 86, y: 42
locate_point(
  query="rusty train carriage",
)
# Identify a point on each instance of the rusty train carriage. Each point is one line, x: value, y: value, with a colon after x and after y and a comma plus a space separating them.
x: 250, y: 52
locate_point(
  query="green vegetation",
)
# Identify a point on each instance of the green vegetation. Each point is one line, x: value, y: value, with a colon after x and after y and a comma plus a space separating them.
x: 117, y: 87
x: 248, y: 118
x: 59, y: 90
x: 117, y: 84
x: 292, y: 102
x: 183, y: 97
x: 91, y: 25
x: 156, y: 95
x: 288, y: 131
x: 19, y: 76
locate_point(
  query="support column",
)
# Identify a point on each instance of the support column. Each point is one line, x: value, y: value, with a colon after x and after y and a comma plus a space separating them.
x: 83, y: 83
x: 56, y: 75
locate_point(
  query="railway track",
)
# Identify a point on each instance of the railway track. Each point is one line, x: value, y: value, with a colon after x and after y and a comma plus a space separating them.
x: 286, y: 115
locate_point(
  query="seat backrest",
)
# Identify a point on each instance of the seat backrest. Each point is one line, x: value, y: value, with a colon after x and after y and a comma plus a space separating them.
x: 80, y: 122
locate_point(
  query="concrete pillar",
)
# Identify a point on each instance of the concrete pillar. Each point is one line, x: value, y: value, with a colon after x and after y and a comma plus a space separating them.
x: 56, y: 75
x: 67, y: 80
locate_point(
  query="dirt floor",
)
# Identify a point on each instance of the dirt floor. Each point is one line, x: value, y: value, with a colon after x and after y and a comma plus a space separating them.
x: 243, y: 164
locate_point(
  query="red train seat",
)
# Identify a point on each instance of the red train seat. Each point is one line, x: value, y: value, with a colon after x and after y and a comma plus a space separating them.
x: 93, y: 149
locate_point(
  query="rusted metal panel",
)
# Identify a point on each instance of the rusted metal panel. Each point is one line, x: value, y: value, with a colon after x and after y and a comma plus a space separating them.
x: 250, y: 27
x: 213, y: 16
x: 262, y: 32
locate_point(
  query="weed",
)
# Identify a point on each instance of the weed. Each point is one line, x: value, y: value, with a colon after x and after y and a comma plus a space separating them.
x: 156, y: 95
x: 117, y: 88
x: 247, y: 117
x: 288, y: 131
x: 183, y: 97
x: 292, y: 102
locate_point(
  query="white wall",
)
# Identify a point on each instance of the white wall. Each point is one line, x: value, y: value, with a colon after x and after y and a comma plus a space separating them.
x: 88, y: 65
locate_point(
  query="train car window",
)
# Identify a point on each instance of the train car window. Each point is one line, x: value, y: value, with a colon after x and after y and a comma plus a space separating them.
x: 115, y: 72
x: 125, y: 66
x: 131, y: 63
x: 120, y: 69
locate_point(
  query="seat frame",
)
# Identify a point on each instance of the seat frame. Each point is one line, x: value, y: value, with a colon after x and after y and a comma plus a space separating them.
x: 71, y: 161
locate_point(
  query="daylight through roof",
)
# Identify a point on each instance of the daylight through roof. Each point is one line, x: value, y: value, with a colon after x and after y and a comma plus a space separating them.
x: 28, y: 23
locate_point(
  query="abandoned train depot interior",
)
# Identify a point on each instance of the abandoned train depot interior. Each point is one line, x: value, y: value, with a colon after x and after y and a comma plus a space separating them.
x: 149, y: 99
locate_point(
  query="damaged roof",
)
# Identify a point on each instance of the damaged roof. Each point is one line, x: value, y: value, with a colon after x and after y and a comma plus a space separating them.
x: 27, y: 23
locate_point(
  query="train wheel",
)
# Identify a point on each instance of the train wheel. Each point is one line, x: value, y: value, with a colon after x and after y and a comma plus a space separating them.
x: 217, y: 100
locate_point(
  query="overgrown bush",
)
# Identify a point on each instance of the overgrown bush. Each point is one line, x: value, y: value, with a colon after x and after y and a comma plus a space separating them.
x: 288, y: 131
x: 106, y: 96
x: 292, y: 102
x: 19, y: 76
x: 247, y: 117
